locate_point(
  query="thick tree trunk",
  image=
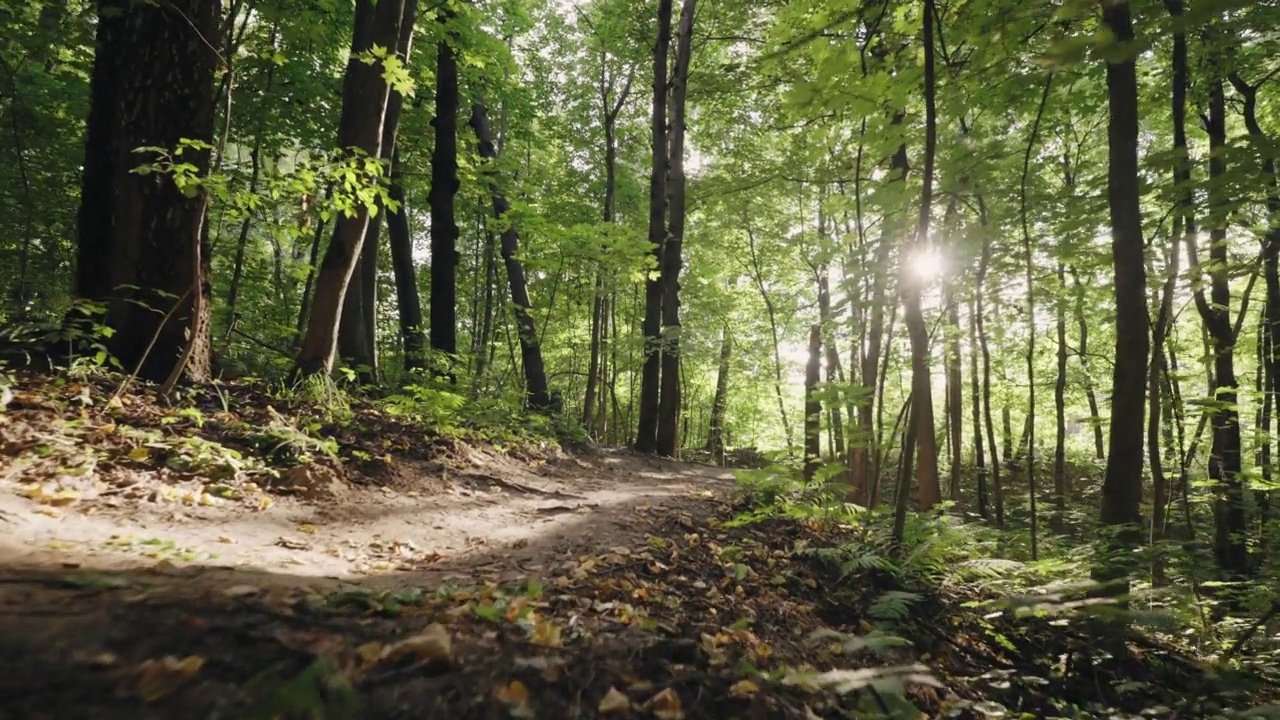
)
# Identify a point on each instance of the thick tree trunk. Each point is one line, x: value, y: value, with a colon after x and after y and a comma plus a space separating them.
x: 668, y: 435
x: 140, y: 234
x: 444, y: 185
x: 365, y: 96
x: 535, y: 373
x: 650, y: 389
x: 1122, y: 486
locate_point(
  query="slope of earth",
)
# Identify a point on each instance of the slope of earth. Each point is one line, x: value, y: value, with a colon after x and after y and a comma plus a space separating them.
x: 401, y: 575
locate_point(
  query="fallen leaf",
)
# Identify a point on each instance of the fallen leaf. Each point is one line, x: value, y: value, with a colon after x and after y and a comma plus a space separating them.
x: 369, y: 653
x: 158, y: 678
x: 514, y: 693
x: 744, y: 688
x: 307, y: 528
x: 666, y: 705
x: 140, y: 453
x: 241, y: 591
x: 433, y: 645
x: 226, y: 540
x: 614, y: 703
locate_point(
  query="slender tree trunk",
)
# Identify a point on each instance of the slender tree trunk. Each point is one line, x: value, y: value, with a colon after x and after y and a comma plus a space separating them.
x: 668, y: 435
x: 979, y: 449
x: 650, y: 388
x: 715, y: 430
x: 364, y: 107
x: 1029, y: 261
x: 835, y: 374
x: 913, y: 313
x: 1060, y: 407
x: 535, y: 374
x: 444, y: 185
x: 772, y: 315
x: 813, y: 405
x: 408, y: 300
x: 1122, y: 486
x: 984, y: 264
x: 1091, y: 395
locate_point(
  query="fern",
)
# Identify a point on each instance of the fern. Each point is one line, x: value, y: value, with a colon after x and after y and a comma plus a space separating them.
x: 893, y: 605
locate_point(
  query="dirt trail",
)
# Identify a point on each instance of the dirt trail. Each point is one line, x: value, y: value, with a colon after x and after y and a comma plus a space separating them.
x: 497, y: 515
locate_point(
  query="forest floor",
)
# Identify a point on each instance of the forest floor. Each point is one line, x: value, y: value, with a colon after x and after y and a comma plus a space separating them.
x: 164, y: 562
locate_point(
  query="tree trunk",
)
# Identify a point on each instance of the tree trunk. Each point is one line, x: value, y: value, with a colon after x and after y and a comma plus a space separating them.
x: 1230, y: 530
x: 535, y: 373
x: 647, y: 428
x: 1060, y: 408
x: 444, y: 185
x: 979, y: 449
x: 835, y: 374
x: 1029, y: 261
x: 715, y: 430
x: 143, y: 236
x: 813, y: 405
x: 984, y: 264
x: 1122, y: 486
x: 365, y: 96
x: 921, y: 380
x: 408, y: 300
x: 1091, y: 395
x: 668, y: 435
x: 772, y: 315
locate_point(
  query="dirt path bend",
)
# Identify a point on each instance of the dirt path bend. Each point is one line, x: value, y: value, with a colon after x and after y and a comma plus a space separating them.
x: 497, y: 518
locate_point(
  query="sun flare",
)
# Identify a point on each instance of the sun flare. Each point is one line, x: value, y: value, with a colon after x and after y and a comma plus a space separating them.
x: 927, y: 264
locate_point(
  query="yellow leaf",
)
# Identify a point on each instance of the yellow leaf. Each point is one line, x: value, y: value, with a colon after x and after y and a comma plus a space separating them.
x: 48, y: 511
x: 307, y: 528
x: 744, y: 688
x: 140, y: 453
x: 62, y: 498
x: 614, y: 703
x: 433, y: 645
x: 666, y: 705
x: 515, y: 693
x: 265, y: 503
x: 226, y: 540
x: 547, y: 634
x: 369, y: 653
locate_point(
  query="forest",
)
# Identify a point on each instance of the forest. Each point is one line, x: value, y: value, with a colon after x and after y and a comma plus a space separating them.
x: 945, y: 333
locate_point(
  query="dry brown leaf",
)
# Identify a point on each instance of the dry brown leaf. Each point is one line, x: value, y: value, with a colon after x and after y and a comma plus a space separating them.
x: 614, y: 703
x: 370, y: 653
x: 158, y: 678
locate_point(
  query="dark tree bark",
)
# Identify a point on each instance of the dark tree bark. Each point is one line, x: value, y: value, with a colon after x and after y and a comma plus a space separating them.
x: 444, y: 185
x: 913, y: 313
x: 365, y: 95
x: 720, y: 403
x: 535, y: 373
x: 650, y: 388
x: 1122, y: 486
x: 668, y: 435
x: 1060, y: 406
x: 408, y: 300
x: 984, y: 265
x: 1271, y: 273
x: 813, y: 405
x: 1029, y: 262
x: 142, y: 242
x: 975, y: 396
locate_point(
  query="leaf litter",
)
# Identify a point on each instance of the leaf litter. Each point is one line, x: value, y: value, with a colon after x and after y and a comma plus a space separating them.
x: 685, y: 616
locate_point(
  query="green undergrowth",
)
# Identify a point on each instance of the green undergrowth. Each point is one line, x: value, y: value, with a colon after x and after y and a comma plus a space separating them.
x: 1004, y: 624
